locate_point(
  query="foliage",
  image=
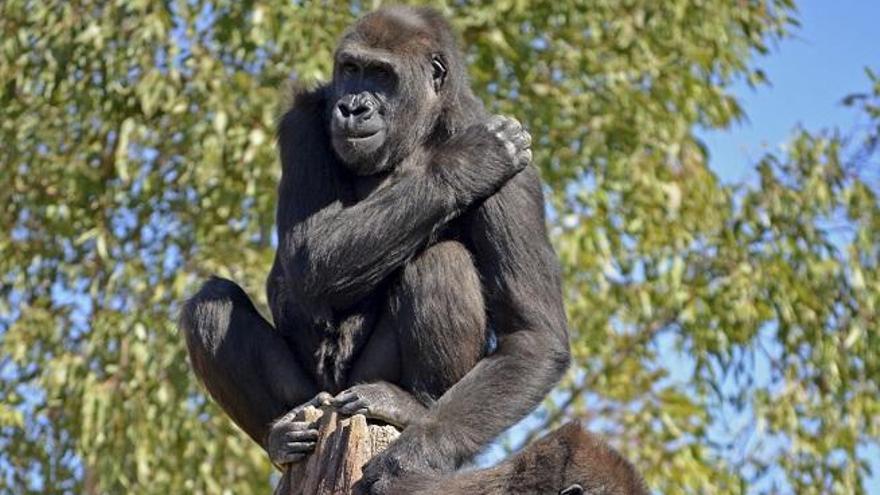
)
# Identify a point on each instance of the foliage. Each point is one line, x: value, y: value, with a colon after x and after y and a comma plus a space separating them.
x: 136, y: 150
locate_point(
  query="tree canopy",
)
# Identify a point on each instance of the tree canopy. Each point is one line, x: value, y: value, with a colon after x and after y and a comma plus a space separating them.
x: 725, y: 335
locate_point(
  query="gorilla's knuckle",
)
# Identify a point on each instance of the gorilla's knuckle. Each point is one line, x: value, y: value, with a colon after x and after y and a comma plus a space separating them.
x: 510, y: 147
x: 495, y: 123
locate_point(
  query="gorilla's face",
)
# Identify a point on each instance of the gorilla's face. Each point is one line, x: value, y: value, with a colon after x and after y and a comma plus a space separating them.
x: 382, y: 106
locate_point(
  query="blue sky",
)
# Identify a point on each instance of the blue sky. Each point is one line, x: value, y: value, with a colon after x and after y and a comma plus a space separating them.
x: 809, y: 75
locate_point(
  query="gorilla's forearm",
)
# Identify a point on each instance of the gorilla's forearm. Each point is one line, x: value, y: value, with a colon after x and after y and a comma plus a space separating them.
x: 524, y: 301
x: 339, y: 255
x: 502, y: 389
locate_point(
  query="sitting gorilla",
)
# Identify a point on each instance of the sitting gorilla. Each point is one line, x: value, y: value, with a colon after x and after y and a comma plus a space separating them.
x: 413, y: 283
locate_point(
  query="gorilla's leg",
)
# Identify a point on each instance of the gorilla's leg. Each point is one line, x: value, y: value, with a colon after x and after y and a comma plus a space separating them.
x: 440, y: 319
x: 432, y: 334
x: 245, y: 365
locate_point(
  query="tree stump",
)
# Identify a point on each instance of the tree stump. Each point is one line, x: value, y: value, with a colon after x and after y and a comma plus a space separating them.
x: 344, y: 445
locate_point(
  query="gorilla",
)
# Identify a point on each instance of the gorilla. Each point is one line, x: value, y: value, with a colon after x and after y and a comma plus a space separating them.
x: 413, y: 282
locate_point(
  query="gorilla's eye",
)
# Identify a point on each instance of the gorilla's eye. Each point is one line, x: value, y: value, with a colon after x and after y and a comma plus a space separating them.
x: 348, y: 68
x: 383, y: 74
x: 574, y: 489
x: 439, y: 71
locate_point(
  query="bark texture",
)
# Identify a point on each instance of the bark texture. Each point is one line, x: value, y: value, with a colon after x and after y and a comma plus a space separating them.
x: 344, y: 445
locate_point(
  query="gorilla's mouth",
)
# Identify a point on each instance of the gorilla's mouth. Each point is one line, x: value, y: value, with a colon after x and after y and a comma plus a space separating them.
x: 355, y: 137
x: 354, y: 147
x: 365, y: 141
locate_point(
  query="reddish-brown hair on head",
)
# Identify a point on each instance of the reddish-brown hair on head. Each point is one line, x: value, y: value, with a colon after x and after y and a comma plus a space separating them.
x: 402, y: 30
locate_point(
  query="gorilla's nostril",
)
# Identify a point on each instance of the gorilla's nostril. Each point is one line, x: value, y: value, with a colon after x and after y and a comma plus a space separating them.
x: 344, y: 110
x: 357, y: 110
x: 356, y: 107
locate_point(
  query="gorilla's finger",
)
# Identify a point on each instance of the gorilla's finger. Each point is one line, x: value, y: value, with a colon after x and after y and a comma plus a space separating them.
x: 296, y: 426
x: 499, y: 123
x: 322, y: 399
x: 343, y: 398
x: 523, y: 139
x: 354, y: 407
x: 351, y: 412
x: 301, y: 435
x: 299, y: 447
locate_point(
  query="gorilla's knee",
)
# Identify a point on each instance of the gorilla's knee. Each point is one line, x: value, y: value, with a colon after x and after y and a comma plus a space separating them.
x: 206, y: 317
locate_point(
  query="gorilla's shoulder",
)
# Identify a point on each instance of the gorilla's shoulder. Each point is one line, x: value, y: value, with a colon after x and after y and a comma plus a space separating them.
x: 304, y: 97
x: 303, y: 106
x: 303, y: 119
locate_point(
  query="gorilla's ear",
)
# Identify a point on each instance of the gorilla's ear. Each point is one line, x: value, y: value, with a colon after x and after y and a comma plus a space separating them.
x: 439, y: 71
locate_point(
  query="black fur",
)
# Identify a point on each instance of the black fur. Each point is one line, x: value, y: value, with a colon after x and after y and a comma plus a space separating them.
x: 399, y: 253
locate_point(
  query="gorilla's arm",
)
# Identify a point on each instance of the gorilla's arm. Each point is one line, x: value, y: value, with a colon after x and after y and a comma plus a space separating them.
x: 524, y: 301
x: 337, y: 253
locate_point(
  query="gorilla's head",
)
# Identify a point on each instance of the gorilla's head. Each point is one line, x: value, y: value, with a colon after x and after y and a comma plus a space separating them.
x: 398, y: 82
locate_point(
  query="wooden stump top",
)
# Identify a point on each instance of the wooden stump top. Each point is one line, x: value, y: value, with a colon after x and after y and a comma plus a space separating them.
x: 344, y: 445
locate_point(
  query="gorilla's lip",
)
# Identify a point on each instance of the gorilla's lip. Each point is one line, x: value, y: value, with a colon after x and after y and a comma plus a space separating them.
x: 362, y: 136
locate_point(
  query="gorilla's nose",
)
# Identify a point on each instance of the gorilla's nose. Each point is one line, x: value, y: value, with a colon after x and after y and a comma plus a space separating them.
x: 356, y: 108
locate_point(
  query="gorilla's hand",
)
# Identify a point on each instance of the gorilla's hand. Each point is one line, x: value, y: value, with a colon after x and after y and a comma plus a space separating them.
x: 290, y: 441
x: 381, y: 400
x: 478, y: 161
x: 515, y: 141
x: 411, y: 453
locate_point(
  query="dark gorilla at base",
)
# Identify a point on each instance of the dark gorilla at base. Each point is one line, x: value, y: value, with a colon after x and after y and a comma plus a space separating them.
x: 411, y: 235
